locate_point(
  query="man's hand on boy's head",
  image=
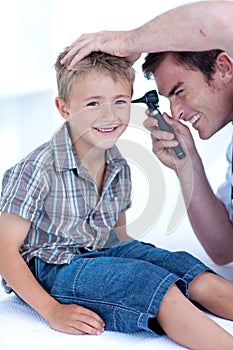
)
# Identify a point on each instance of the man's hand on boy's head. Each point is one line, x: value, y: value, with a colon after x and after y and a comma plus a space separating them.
x: 107, y: 41
x: 75, y: 319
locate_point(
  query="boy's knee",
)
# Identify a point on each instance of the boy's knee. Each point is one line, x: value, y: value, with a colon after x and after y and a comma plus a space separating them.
x: 201, y: 285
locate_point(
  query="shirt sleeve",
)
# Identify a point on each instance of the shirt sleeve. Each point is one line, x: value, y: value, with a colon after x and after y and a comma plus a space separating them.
x: 23, y: 190
x: 224, y: 191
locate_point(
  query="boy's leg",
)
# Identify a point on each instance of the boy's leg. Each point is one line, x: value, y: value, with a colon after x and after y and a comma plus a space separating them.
x: 213, y: 292
x: 130, y: 295
x: 180, y: 263
x: 179, y: 318
x: 125, y: 293
x: 189, y: 326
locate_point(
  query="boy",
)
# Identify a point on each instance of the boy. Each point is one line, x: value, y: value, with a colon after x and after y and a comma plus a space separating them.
x: 59, y: 206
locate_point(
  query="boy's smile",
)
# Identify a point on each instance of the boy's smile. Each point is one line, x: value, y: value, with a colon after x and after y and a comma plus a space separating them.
x: 107, y: 131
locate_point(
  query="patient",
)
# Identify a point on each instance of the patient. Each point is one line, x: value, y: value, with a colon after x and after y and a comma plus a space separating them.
x: 61, y: 207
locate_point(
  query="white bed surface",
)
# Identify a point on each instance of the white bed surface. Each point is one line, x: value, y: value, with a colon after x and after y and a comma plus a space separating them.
x: 22, y: 326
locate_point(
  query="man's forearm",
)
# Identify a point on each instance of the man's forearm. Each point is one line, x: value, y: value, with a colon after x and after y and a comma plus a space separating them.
x: 207, y: 215
x: 192, y: 27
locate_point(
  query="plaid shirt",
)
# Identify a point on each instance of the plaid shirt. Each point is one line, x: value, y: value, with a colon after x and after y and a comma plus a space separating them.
x: 53, y: 190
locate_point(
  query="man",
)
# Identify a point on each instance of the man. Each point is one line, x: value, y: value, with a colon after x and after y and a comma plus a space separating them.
x: 203, y: 25
x: 199, y: 86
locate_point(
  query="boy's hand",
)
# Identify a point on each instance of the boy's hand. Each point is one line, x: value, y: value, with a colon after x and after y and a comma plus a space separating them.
x: 75, y: 319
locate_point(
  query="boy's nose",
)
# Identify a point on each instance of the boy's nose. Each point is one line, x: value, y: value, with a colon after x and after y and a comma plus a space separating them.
x: 108, y: 111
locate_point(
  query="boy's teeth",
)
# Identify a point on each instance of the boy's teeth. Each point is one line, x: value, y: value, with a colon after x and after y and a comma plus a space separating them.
x: 105, y: 129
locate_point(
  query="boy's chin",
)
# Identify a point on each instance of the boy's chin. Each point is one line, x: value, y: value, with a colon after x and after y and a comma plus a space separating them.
x: 107, y: 145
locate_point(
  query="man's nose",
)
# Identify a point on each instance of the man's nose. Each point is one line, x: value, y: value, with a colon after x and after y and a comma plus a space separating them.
x: 177, y: 110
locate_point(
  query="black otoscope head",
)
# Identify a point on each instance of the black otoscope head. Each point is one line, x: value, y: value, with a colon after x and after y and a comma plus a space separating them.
x: 152, y: 101
x: 150, y: 98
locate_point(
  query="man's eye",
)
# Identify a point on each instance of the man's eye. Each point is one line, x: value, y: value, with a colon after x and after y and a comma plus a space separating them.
x: 178, y: 92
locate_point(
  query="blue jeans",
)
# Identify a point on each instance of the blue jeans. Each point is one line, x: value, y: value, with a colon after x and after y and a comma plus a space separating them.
x: 124, y: 284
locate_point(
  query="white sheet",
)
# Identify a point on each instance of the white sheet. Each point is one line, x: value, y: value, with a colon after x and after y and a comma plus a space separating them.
x: 22, y: 327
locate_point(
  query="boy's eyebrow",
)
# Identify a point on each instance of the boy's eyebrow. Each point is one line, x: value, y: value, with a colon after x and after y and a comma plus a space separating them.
x: 172, y: 91
x: 99, y: 96
x: 92, y: 98
x: 123, y: 95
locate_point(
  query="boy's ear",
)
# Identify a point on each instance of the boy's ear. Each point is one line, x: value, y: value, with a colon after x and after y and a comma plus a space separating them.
x: 62, y: 108
x: 225, y: 67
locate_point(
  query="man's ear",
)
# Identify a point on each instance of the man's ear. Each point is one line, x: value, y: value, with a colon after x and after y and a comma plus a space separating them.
x: 224, y: 65
x: 62, y: 108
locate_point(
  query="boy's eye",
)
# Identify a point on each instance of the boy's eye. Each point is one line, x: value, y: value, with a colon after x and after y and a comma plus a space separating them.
x: 93, y: 104
x: 97, y: 104
x: 120, y: 102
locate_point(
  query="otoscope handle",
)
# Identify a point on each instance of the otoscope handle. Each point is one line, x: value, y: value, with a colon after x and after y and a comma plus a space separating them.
x: 165, y: 127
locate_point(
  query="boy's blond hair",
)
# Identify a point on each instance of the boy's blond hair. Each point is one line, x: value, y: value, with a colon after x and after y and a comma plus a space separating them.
x: 115, y: 67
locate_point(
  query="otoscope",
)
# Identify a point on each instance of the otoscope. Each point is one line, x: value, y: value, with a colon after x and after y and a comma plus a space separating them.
x: 152, y: 101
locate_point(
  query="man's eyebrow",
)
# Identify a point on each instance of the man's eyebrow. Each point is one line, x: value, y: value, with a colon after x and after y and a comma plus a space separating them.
x: 172, y: 91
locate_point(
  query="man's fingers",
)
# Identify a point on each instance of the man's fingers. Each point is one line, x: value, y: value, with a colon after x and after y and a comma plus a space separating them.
x: 78, y: 54
x: 79, y: 49
x: 150, y: 123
